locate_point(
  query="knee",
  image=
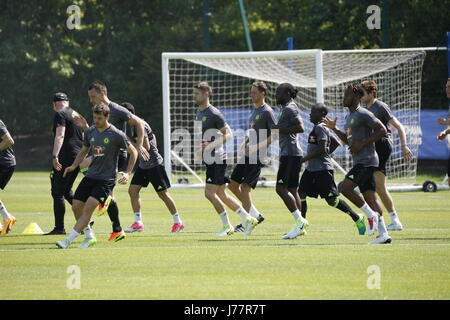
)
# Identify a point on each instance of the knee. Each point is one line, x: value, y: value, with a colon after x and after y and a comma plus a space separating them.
x: 234, y: 187
x: 331, y: 201
x: 209, y: 195
x: 281, y: 191
x: 381, y: 189
x: 342, y: 188
x: 77, y: 205
x: 132, y: 192
x: 293, y: 191
x: 163, y: 195
x: 222, y: 196
x: 245, y: 188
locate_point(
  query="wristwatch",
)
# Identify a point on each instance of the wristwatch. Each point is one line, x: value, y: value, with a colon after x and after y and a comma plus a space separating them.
x: 54, y: 157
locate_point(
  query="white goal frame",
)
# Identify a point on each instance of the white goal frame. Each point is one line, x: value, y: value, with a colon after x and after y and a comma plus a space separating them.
x: 319, y: 82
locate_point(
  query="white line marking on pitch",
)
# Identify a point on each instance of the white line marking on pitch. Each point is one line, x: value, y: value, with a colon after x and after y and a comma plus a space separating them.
x: 242, y: 246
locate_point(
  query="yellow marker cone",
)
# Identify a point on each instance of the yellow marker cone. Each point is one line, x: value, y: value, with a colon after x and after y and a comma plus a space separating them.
x: 33, y: 228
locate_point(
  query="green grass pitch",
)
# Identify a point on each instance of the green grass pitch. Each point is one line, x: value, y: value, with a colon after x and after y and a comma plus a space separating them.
x: 331, y: 262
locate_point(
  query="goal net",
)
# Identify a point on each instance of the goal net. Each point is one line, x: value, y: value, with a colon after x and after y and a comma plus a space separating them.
x: 320, y: 76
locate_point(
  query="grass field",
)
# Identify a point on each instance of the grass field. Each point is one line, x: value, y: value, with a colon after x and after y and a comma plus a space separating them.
x: 331, y: 262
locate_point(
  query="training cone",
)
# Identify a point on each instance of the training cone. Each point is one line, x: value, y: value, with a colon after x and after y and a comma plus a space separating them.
x: 33, y: 228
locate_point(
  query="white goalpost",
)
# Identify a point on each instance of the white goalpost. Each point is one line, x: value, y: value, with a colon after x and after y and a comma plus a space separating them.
x: 320, y: 76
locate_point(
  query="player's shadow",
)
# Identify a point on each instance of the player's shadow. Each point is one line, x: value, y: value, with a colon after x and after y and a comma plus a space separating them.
x: 30, y: 246
x: 427, y: 239
x: 287, y: 243
x: 188, y: 232
x: 230, y: 240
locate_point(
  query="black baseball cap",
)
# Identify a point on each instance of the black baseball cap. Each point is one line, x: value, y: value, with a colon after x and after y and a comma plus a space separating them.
x: 60, y: 96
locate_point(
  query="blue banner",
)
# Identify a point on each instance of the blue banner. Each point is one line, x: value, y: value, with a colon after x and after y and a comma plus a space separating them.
x: 430, y: 148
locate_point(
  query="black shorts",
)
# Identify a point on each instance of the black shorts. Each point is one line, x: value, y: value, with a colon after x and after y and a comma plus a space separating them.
x: 289, y: 171
x: 5, y: 175
x: 122, y: 163
x: 59, y: 185
x: 216, y: 174
x: 97, y: 189
x: 247, y: 173
x: 364, y: 177
x: 383, y: 148
x: 315, y: 183
x: 156, y: 175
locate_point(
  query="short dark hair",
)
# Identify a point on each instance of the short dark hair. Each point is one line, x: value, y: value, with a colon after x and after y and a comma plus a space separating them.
x: 290, y: 89
x: 128, y: 106
x: 101, y: 108
x: 203, y: 86
x: 370, y: 86
x: 322, y: 108
x: 261, y: 86
x: 98, y: 86
x: 357, y: 89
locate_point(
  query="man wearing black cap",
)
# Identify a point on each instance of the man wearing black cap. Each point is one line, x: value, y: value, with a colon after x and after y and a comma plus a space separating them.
x: 119, y: 117
x: 67, y: 143
x: 7, y: 165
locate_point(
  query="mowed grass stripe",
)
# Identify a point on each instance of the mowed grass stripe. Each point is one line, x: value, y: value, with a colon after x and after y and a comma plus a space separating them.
x: 331, y: 262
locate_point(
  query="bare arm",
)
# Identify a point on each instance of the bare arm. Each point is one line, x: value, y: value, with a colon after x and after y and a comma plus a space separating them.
x: 136, y: 121
x: 133, y: 157
x: 57, y: 144
x: 131, y: 162
x: 80, y: 157
x: 226, y: 135
x: 444, y: 122
x: 296, y: 128
x: 262, y: 145
x: 7, y: 141
x: 243, y: 148
x: 266, y: 143
x: 321, y: 151
x: 379, y: 130
x: 443, y: 134
x: 332, y: 125
x: 81, y: 122
x: 140, y: 131
x: 146, y: 143
x: 59, y: 139
x: 401, y: 132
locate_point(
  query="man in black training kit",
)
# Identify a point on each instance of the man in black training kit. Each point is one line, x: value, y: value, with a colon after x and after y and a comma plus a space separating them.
x: 362, y: 129
x: 7, y: 165
x: 67, y: 143
x: 106, y: 142
x: 318, y: 177
x: 119, y: 117
x: 290, y: 124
